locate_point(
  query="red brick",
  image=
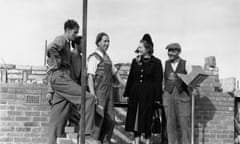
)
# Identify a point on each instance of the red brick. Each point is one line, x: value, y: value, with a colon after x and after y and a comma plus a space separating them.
x: 31, y: 135
x: 9, y: 123
x: 45, y: 113
x: 44, y: 124
x: 7, y: 96
x: 15, y: 102
x: 33, y: 91
x: 69, y: 130
x: 11, y: 90
x: 36, y: 130
x: 8, y: 118
x: 44, y: 135
x: 39, y: 140
x: 6, y: 107
x: 20, y: 90
x: 31, y: 124
x: 6, y: 129
x: 41, y: 108
x: 40, y: 118
x: 22, y: 140
x: 22, y: 108
x: 18, y: 118
x: 64, y: 141
x: 3, y: 89
x: 2, y: 134
x: 72, y: 135
x: 23, y: 129
x: 230, y: 141
x: 12, y: 113
x: 222, y: 136
x: 44, y: 130
x: 20, y: 96
x: 2, y: 101
x: 6, y: 139
x: 32, y: 113
x: 15, y: 134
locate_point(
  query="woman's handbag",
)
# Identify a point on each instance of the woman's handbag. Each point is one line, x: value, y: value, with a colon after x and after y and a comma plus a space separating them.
x: 157, y: 119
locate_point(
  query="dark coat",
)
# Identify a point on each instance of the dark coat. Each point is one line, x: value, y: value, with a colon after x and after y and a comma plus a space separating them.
x: 144, y: 87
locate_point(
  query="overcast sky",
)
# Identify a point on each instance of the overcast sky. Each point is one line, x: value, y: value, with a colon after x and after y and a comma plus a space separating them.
x: 202, y: 27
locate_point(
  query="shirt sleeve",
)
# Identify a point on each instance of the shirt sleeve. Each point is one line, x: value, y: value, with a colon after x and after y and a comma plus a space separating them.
x: 55, y: 47
x: 92, y: 65
x: 114, y: 69
x: 188, y: 67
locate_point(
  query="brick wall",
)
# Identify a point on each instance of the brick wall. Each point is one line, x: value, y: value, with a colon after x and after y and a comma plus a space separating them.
x: 24, y: 115
x: 214, y: 114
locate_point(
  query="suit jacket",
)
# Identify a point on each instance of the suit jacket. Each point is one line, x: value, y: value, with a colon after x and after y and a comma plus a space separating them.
x: 59, y: 55
x: 60, y: 49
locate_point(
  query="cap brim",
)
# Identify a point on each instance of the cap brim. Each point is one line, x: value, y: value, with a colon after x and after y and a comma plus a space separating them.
x: 172, y: 48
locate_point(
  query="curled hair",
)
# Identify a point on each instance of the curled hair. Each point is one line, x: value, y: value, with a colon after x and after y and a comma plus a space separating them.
x: 99, y: 37
x: 71, y: 24
x: 147, y: 43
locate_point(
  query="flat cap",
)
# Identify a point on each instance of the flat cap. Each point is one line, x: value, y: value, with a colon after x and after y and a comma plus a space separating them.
x: 174, y: 46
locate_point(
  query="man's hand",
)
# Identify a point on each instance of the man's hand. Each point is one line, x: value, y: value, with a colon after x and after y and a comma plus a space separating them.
x: 53, y: 63
x: 195, y: 92
x: 95, y: 97
x: 49, y: 97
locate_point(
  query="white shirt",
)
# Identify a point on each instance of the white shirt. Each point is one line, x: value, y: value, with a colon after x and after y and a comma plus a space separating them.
x: 93, y: 63
x: 175, y: 64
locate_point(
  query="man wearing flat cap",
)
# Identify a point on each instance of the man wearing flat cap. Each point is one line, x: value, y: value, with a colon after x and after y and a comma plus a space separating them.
x: 176, y: 97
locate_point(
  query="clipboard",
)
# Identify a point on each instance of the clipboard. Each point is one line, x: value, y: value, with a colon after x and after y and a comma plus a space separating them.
x: 193, y: 80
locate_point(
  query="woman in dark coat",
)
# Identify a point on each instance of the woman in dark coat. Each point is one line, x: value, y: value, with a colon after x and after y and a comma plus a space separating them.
x: 144, y: 88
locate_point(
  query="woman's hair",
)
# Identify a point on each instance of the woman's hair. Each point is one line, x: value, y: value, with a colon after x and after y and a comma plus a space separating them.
x: 147, y: 43
x: 99, y: 37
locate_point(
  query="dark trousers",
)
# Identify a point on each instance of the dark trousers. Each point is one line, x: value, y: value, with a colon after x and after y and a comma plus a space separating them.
x: 177, y: 114
x: 74, y: 118
x: 67, y: 94
x: 105, y: 123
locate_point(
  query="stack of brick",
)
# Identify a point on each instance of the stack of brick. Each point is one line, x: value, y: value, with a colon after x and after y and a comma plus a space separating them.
x: 22, y: 74
x: 229, y: 84
x: 71, y: 137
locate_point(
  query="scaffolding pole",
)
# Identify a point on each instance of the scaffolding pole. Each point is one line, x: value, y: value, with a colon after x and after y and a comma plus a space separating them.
x: 84, y: 72
x: 45, y: 53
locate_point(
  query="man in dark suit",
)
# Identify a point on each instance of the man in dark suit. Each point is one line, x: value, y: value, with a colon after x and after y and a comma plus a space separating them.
x: 176, y: 97
x: 75, y: 74
x: 65, y: 92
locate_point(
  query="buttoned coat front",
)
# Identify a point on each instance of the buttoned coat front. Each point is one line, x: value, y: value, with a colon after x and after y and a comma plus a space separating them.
x: 144, y: 87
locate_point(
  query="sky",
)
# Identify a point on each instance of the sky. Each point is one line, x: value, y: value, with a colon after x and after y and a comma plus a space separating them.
x: 203, y: 28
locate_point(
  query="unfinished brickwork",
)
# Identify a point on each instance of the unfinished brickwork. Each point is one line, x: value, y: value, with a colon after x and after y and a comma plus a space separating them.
x: 24, y: 112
